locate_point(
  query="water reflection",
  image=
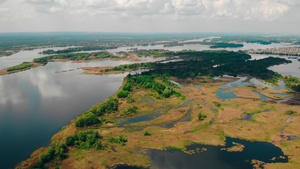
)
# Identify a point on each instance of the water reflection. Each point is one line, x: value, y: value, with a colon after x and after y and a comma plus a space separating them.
x: 36, y: 103
x: 215, y: 157
x: 23, y: 56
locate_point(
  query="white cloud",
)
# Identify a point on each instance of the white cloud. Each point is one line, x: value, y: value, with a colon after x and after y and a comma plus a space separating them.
x: 157, y: 11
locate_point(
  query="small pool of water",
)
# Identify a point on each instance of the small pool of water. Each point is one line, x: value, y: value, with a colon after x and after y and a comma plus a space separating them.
x: 248, y: 117
x: 148, y: 117
x: 292, y: 137
x: 229, y: 95
x: 147, y: 100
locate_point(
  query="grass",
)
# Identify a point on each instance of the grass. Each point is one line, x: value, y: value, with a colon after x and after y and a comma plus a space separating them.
x: 21, y: 66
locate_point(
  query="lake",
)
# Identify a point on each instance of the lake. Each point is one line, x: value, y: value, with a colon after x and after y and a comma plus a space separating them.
x: 215, y: 157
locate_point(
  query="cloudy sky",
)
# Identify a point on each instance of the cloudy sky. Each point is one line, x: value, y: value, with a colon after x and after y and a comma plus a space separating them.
x: 269, y: 16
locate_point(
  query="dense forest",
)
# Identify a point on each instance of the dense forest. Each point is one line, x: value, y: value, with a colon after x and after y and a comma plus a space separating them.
x: 210, y: 63
x: 226, y: 45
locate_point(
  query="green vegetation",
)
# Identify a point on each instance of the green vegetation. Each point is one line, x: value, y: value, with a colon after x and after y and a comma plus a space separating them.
x: 130, y: 99
x: 254, y: 87
x: 148, y: 82
x: 107, y: 107
x: 91, y: 117
x: 56, y: 150
x: 146, y: 133
x: 292, y: 83
x: 122, y: 94
x: 290, y: 112
x: 203, y: 62
x: 77, y: 49
x: 134, y: 66
x: 251, y: 111
x: 5, y: 53
x: 201, y: 116
x: 154, y: 52
x: 87, y: 120
x: 85, y: 140
x: 121, y: 140
x: 76, y: 56
x: 217, y: 104
x: 130, y: 110
x: 226, y: 45
x: 127, y: 87
x: 23, y: 65
x: 262, y: 42
x: 265, y: 88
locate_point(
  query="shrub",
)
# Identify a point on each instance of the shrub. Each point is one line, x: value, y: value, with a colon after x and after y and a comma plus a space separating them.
x: 146, y: 133
x: 130, y: 99
x: 290, y: 112
x: 217, y: 104
x: 127, y: 87
x: 87, y: 120
x: 130, y: 110
x: 121, y: 139
x: 107, y: 107
x: 123, y: 94
x: 265, y: 88
x: 70, y: 141
x: 201, y: 116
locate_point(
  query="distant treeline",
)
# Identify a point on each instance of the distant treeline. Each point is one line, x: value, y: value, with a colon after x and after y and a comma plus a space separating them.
x: 77, y: 49
x: 153, y: 52
x: 263, y: 42
x: 76, y: 56
x: 227, y: 45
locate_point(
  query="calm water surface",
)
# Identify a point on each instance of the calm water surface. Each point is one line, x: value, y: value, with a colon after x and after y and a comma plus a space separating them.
x: 36, y: 103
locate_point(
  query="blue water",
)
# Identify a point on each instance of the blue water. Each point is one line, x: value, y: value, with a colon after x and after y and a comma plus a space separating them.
x: 263, y: 97
x: 216, y: 158
x: 148, y: 117
x: 230, y: 95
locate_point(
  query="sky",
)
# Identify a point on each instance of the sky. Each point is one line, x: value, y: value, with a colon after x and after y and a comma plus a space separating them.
x: 244, y: 16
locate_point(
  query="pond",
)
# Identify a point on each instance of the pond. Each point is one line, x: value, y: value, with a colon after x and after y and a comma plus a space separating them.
x: 216, y: 157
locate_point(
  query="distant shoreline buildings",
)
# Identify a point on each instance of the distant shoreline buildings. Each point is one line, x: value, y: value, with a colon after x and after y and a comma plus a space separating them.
x: 289, y: 51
